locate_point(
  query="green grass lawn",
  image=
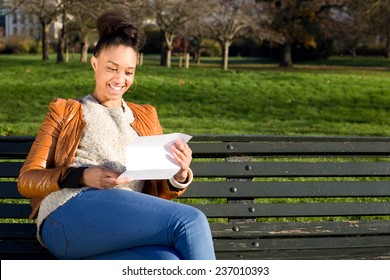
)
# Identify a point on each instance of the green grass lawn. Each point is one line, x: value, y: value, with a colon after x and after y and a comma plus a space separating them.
x: 316, y: 98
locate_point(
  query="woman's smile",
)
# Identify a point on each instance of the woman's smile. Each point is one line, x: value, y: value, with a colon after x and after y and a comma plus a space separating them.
x: 116, y: 89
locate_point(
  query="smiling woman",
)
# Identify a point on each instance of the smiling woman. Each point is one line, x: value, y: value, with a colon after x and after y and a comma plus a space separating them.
x: 115, y: 58
x: 83, y: 210
x: 114, y: 74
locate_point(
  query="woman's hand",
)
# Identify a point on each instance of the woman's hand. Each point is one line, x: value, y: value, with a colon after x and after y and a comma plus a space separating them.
x: 102, y: 178
x: 182, y: 153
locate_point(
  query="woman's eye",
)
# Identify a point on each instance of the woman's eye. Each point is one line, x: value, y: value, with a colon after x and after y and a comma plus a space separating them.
x: 129, y: 73
x: 111, y: 69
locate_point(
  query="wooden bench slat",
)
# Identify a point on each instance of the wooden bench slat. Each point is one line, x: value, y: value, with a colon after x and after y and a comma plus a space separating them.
x: 16, y: 249
x: 15, y: 211
x: 290, y: 169
x: 16, y: 139
x: 264, y: 189
x: 247, y: 230
x: 302, y: 243
x: 23, y: 249
x: 235, y: 210
x: 15, y: 150
x: 255, y: 210
x: 287, y: 149
x: 18, y: 231
x: 299, y: 229
x: 239, y: 189
x: 380, y: 253
x: 10, y: 169
x: 284, y: 138
x: 9, y: 190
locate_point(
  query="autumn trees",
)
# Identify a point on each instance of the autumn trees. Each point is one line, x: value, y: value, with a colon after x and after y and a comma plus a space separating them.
x: 282, y: 23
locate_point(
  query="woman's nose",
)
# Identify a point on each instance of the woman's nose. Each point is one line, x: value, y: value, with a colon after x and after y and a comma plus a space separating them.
x: 120, y: 76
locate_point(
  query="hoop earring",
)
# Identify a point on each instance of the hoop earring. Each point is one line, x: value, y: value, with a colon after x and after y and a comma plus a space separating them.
x: 135, y: 87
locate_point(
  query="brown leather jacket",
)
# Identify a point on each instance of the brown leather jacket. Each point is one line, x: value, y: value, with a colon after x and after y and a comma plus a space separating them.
x: 55, y: 146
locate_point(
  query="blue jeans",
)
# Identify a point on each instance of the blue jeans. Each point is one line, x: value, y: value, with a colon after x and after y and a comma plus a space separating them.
x: 121, y: 224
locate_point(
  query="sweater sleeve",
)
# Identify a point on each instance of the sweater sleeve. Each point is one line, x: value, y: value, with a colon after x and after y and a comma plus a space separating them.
x: 72, y: 179
x: 175, y: 185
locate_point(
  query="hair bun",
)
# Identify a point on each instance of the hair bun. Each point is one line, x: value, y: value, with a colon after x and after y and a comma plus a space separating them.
x: 116, y: 27
x: 112, y: 22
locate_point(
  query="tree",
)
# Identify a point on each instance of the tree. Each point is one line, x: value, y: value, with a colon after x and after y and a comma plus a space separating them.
x: 46, y: 11
x: 380, y: 18
x: 293, y: 21
x: 61, y: 39
x: 82, y: 16
x: 171, y: 15
x: 11, y: 6
x: 227, y: 19
x: 360, y: 22
x: 350, y: 27
x: 195, y: 31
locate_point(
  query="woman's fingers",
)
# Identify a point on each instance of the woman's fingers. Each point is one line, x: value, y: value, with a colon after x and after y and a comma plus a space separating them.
x: 102, y: 178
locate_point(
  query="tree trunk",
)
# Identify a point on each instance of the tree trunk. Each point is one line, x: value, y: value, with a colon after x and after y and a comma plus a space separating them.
x: 169, y: 58
x: 225, y: 58
x: 163, y: 59
x: 67, y: 54
x: 285, y: 55
x: 187, y: 60
x: 387, y: 47
x: 168, y: 38
x: 60, y: 51
x: 61, y: 41
x: 180, y: 60
x: 140, y: 59
x: 353, y: 53
x: 197, y: 56
x: 84, y: 49
x: 45, y: 44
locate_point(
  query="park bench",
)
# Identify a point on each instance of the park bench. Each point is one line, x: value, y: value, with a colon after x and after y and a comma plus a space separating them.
x: 267, y: 197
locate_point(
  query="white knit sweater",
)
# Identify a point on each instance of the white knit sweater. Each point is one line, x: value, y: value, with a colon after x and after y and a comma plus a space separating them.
x: 103, y: 143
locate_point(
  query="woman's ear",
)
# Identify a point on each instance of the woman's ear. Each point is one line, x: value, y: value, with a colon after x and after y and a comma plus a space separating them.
x: 93, y: 62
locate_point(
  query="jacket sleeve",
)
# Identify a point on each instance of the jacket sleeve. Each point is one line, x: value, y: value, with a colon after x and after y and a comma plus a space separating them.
x: 162, y: 189
x: 39, y: 176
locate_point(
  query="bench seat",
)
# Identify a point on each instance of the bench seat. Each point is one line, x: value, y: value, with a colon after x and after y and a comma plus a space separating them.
x: 266, y: 197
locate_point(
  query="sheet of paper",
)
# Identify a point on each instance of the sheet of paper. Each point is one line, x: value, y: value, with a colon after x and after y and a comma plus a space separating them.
x: 150, y: 157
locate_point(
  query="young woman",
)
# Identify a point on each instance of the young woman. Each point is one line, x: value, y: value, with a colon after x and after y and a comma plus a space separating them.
x: 82, y: 209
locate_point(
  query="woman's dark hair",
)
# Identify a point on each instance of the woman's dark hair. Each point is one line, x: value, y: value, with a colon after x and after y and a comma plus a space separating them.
x: 115, y: 28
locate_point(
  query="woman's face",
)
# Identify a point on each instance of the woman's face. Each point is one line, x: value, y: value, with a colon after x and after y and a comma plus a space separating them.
x: 114, y: 73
